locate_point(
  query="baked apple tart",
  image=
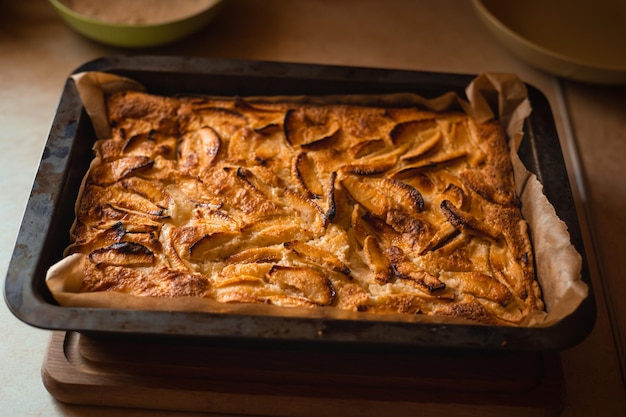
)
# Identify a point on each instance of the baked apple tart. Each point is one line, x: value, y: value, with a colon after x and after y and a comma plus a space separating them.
x: 385, y: 210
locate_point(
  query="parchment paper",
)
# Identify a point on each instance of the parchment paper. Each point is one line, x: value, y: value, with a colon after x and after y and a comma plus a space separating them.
x: 504, y: 96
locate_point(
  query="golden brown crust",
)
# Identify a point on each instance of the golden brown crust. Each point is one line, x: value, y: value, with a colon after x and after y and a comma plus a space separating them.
x: 359, y: 208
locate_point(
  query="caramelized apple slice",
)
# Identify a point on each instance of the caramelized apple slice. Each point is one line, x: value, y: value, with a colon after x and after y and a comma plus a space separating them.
x: 214, y: 246
x: 458, y: 134
x: 110, y: 172
x: 202, y: 242
x: 275, y: 230
x: 403, y: 194
x: 377, y: 260
x: 301, y: 130
x: 424, y: 147
x: 256, y: 255
x: 372, y: 165
x: 122, y: 254
x: 309, y: 282
x: 410, y: 131
x: 239, y: 194
x: 246, y: 144
x: 197, y: 150
x: 93, y: 239
x: 311, y: 213
x: 318, y: 256
x: 305, y: 175
x: 466, y: 222
x: 260, y: 179
x: 187, y: 236
x: 174, y: 260
x: 331, y: 211
x: 215, y: 220
x: 237, y: 280
x: 140, y: 144
x: 148, y: 240
x: 392, y: 215
x: 260, y: 119
x: 359, y: 227
x: 405, y: 269
x: 483, y: 186
x: 434, y: 163
x: 480, y: 285
x: 133, y: 222
x: 253, y: 269
x: 123, y: 200
x: 289, y: 301
x: 444, y: 234
x: 150, y: 190
x: 366, y: 195
x: 367, y: 147
x: 418, y: 277
x: 190, y: 190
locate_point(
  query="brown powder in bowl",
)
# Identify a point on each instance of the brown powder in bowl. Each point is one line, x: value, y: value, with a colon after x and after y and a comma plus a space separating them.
x: 137, y: 11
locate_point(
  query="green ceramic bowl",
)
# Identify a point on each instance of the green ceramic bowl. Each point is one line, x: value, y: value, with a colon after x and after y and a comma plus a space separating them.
x: 582, y: 41
x: 136, y: 35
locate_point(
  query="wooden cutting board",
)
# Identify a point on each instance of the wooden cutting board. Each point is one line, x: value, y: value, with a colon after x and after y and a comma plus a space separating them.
x: 273, y: 381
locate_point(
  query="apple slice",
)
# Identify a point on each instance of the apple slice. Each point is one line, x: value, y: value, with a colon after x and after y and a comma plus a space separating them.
x: 372, y: 165
x: 377, y: 260
x: 133, y: 222
x: 418, y: 277
x: 307, y: 210
x: 110, y: 172
x: 261, y: 119
x: 424, y: 147
x: 301, y: 130
x: 366, y: 195
x: 122, y: 254
x: 359, y: 226
x: 306, y: 281
x: 237, y: 280
x: 446, y: 233
x: 405, y: 269
x: 197, y: 150
x: 305, y: 175
x: 256, y: 255
x: 274, y: 231
x: 367, y: 147
x: 317, y: 256
x: 438, y: 161
x: 214, y: 246
x: 480, y: 285
x: 409, y: 132
x: 192, y: 190
x: 119, y: 198
x: 466, y: 222
x: 331, y: 210
x: 403, y: 194
x: 238, y: 193
x: 150, y: 190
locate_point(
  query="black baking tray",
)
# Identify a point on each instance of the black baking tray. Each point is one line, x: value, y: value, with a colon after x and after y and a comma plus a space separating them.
x: 50, y: 212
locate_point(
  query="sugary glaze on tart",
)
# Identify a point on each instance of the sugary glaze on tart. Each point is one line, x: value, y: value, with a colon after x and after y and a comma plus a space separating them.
x: 360, y: 208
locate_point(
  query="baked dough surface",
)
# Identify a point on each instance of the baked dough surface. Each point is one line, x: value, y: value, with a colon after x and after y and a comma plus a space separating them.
x: 360, y: 208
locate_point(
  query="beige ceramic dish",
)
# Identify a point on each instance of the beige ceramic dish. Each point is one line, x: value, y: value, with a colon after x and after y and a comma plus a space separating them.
x: 576, y: 39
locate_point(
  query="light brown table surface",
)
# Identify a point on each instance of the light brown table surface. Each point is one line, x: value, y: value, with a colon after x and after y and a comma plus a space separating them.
x: 38, y: 51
